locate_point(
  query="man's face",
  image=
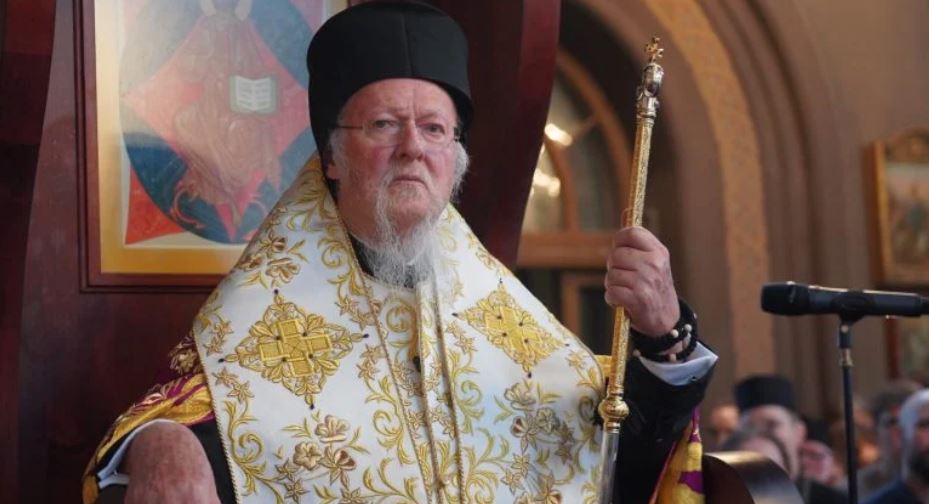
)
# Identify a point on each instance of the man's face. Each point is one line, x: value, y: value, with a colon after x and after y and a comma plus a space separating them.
x: 889, y: 436
x: 917, y: 448
x: 724, y: 420
x: 817, y: 461
x: 780, y: 423
x: 413, y: 178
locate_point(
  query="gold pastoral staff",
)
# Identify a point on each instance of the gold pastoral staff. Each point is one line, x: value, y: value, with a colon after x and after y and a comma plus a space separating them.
x: 613, y: 409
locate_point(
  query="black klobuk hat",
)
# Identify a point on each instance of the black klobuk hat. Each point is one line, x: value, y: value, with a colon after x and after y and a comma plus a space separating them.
x: 384, y: 40
x: 764, y: 390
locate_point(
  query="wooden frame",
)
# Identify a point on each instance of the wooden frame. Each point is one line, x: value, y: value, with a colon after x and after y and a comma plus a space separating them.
x: 899, y: 172
x: 907, y: 347
x: 179, y: 260
x: 571, y: 285
x: 574, y: 247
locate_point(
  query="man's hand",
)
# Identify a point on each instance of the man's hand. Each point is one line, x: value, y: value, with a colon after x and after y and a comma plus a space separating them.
x: 638, y: 278
x: 166, y: 463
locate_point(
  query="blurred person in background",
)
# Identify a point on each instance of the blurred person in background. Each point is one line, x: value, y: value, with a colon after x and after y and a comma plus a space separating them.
x: 912, y: 486
x: 817, y: 458
x: 884, y: 408
x: 767, y: 403
x: 758, y: 441
x: 724, y: 420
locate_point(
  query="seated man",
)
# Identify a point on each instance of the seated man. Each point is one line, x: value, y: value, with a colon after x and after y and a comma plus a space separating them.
x: 367, y: 348
x: 766, y: 403
x: 817, y: 459
x: 912, y: 486
x: 750, y: 439
x: 884, y: 409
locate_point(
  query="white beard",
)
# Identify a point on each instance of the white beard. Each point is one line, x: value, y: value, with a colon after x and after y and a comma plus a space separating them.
x: 402, y: 260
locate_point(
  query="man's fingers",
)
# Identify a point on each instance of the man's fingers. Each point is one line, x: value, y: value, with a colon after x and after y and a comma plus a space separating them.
x: 637, y: 260
x: 616, y: 277
x: 637, y: 238
x: 621, y: 296
x: 639, y: 271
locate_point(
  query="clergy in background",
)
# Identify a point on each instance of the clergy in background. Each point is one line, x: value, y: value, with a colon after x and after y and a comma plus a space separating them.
x: 767, y: 403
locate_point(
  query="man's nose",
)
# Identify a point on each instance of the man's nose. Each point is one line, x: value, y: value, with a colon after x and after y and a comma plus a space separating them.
x: 410, y: 144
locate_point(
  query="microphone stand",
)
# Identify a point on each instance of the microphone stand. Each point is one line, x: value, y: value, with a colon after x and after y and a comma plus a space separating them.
x: 846, y: 364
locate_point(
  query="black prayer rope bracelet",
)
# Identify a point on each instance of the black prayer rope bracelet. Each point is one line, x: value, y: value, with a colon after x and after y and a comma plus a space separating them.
x: 652, y: 347
x: 674, y: 357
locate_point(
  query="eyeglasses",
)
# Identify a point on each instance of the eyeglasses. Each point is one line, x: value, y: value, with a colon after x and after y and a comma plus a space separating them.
x: 389, y: 132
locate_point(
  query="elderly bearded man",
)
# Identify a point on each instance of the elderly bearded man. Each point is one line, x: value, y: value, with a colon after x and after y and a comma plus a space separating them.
x: 912, y: 486
x: 367, y: 348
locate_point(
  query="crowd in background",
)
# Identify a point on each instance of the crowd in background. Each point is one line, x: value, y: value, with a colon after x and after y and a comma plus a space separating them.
x: 892, y: 432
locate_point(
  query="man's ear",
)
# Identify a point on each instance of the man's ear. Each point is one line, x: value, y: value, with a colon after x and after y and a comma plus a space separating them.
x: 801, y: 429
x: 332, y: 171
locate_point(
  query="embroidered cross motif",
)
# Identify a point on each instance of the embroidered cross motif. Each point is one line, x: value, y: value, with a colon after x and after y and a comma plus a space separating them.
x: 511, y: 328
x: 293, y: 347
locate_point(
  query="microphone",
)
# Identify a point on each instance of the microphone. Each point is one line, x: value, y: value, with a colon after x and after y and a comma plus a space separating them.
x: 789, y: 298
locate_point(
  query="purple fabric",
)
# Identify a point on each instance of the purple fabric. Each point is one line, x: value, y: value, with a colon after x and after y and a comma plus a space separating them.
x: 693, y: 479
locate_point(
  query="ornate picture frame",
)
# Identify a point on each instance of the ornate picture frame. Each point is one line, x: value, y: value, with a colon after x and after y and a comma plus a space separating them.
x: 908, y: 347
x: 900, y: 176
x: 195, y: 120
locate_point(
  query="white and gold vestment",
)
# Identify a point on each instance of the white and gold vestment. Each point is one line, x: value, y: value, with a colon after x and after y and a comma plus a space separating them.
x: 329, y: 386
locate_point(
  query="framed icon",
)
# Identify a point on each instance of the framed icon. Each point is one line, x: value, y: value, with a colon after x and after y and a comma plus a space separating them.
x: 900, y: 176
x: 195, y: 121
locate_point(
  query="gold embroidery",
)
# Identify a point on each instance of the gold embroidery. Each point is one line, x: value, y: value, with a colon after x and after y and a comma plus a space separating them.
x: 314, y: 209
x: 328, y: 452
x: 297, y: 349
x: 246, y: 449
x: 271, y: 261
x: 534, y: 421
x: 466, y: 393
x: 388, y: 423
x: 209, y: 318
x: 511, y: 328
x: 184, y: 359
x: 486, y: 258
x: 327, y: 448
x: 399, y: 316
x: 185, y: 400
x: 482, y: 471
x: 445, y: 232
x: 590, y: 489
x: 293, y: 348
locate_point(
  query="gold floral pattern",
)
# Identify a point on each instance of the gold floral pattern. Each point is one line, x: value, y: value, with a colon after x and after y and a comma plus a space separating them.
x: 183, y: 356
x: 330, y: 451
x: 510, y: 328
x: 466, y: 393
x: 486, y: 258
x: 412, y: 415
x: 327, y: 451
x: 533, y: 420
x: 314, y: 209
x: 295, y: 348
x: 271, y: 262
x: 328, y: 447
x: 185, y: 400
x: 209, y: 318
